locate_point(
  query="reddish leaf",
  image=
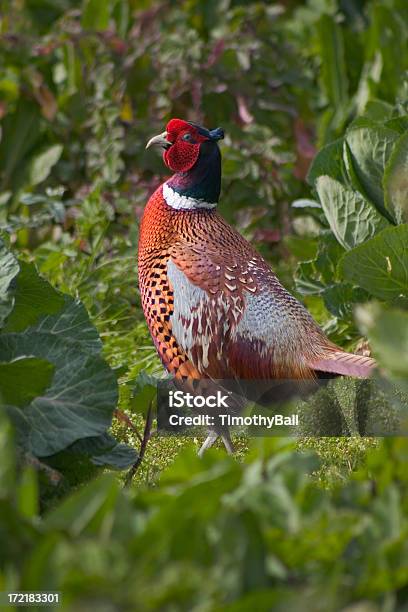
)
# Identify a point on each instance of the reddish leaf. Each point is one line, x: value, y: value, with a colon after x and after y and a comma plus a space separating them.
x: 214, y: 54
x: 243, y: 110
x: 47, y: 101
x: 305, y: 148
x: 267, y: 235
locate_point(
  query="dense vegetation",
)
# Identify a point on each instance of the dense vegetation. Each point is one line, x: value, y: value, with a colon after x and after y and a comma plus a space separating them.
x: 314, y: 100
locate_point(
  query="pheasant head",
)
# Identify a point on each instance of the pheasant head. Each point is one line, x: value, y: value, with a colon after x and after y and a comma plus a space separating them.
x: 192, y: 153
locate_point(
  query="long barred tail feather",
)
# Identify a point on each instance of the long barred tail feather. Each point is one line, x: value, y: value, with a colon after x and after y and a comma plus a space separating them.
x: 346, y: 364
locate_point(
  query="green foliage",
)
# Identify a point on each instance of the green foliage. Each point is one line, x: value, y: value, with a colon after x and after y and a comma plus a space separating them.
x: 360, y: 52
x: 368, y: 148
x: 358, y: 180
x: 396, y: 182
x: 54, y: 384
x: 388, y: 332
x: 33, y: 297
x: 84, y: 84
x: 352, y: 219
x: 42, y: 164
x: 380, y: 265
x: 36, y: 374
x: 8, y: 271
x: 260, y: 534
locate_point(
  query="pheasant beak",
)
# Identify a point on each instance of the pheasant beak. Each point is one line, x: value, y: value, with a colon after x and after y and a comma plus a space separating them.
x: 160, y: 141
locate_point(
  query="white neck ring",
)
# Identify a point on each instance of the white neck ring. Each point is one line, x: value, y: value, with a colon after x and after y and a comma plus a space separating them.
x: 181, y: 202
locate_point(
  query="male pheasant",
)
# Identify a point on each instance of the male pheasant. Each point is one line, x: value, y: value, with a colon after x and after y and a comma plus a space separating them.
x: 213, y: 305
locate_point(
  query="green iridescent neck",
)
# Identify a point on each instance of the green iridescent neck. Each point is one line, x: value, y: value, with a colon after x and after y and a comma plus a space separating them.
x: 203, y: 181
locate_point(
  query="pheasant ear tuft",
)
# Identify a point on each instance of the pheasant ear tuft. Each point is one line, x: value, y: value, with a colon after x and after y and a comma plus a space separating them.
x: 217, y: 134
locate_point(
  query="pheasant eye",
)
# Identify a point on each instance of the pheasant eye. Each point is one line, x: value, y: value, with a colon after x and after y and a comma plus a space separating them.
x: 187, y: 137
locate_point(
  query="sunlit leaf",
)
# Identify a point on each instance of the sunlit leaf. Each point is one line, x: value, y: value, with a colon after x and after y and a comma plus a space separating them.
x: 396, y: 181
x: 42, y: 164
x: 352, y: 219
x: 370, y: 147
x: 380, y: 265
x: 328, y: 161
x: 9, y: 268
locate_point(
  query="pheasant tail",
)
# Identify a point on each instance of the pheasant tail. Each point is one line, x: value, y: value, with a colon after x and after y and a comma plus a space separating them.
x: 346, y: 364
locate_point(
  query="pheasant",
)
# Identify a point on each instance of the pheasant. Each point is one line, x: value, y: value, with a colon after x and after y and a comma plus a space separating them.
x: 214, y: 307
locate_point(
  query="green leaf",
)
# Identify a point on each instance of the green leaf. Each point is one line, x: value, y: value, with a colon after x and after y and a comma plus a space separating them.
x: 340, y: 298
x: 378, y: 110
x: 302, y: 248
x: 24, y: 379
x: 305, y: 203
x: 7, y: 454
x: 334, y: 74
x: 329, y: 253
x: 398, y: 124
x: 34, y: 297
x: 9, y: 268
x: 370, y: 147
x: 79, y: 402
x: 386, y: 48
x: 96, y: 14
x: 352, y: 219
x: 105, y: 451
x: 119, y: 457
x: 86, y: 509
x: 387, y: 330
x: 74, y: 325
x: 143, y: 391
x: 328, y: 161
x: 307, y: 279
x: 60, y: 343
x: 21, y: 131
x: 42, y: 164
x: 396, y: 181
x: 380, y: 265
x: 27, y: 493
x: 30, y: 199
x: 313, y: 277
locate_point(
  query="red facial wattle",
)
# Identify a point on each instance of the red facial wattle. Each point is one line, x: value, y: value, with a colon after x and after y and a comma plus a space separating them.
x: 181, y: 157
x: 183, y: 153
